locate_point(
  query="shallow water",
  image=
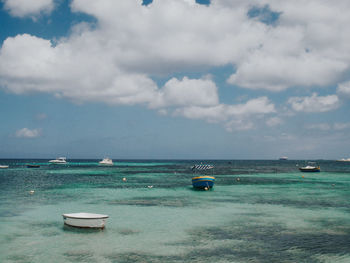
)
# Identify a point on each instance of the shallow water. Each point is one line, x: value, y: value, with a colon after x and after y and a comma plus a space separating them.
x: 258, y: 211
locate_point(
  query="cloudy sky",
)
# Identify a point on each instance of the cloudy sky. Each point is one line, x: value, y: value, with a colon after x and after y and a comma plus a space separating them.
x: 220, y: 79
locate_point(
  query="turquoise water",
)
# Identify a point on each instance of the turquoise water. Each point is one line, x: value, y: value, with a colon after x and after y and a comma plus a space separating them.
x: 258, y: 211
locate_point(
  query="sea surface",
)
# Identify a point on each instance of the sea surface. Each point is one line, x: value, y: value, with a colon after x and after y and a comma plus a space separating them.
x: 258, y: 211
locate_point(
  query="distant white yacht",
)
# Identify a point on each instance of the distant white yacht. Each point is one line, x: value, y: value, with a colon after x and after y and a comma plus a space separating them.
x: 59, y: 160
x: 344, y: 160
x: 284, y: 158
x: 106, y: 161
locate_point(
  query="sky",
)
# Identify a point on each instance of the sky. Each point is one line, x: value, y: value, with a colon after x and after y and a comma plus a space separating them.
x: 175, y: 79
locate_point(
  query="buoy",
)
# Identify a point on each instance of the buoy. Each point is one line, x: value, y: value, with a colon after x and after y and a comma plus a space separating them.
x: 303, y: 176
x: 150, y: 186
x: 124, y: 179
x: 206, y: 188
x: 31, y: 192
x: 238, y: 179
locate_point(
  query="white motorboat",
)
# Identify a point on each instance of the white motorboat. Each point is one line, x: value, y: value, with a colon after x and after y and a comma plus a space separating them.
x: 106, y: 161
x: 85, y: 220
x: 4, y: 166
x: 311, y: 167
x: 59, y: 160
x: 283, y: 158
x: 344, y: 160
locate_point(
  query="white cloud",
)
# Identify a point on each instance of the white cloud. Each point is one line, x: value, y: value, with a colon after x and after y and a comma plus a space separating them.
x: 113, y: 62
x: 319, y: 126
x: 314, y: 103
x: 234, y: 117
x: 24, y: 8
x: 344, y: 89
x: 196, y: 92
x: 27, y: 133
x: 306, y: 47
x: 133, y: 41
x: 274, y: 121
x: 239, y: 125
x: 279, y: 72
x: 341, y: 126
x: 338, y: 126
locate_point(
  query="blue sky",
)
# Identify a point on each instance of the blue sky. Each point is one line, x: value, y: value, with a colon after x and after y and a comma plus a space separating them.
x: 174, y: 79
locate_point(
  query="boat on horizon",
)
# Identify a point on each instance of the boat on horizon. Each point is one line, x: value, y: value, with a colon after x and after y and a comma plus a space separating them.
x: 205, y: 182
x: 85, y: 220
x: 106, y: 161
x: 311, y: 167
x: 59, y: 160
x: 283, y: 158
x: 344, y: 160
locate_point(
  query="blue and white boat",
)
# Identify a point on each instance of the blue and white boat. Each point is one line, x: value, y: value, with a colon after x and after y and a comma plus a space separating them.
x: 203, y: 181
x: 312, y: 167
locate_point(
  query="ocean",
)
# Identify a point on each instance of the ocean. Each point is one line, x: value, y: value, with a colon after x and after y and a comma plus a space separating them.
x: 258, y: 211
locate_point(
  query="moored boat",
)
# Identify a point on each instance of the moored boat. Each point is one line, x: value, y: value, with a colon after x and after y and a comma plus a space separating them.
x: 311, y: 167
x: 85, y: 220
x: 106, y: 161
x: 203, y: 181
x: 59, y: 160
x: 344, y: 160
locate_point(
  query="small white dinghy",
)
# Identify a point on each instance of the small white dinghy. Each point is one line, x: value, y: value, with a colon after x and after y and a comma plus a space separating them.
x: 85, y: 220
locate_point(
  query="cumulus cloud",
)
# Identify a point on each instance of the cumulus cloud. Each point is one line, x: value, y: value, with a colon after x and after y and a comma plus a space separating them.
x: 235, y: 117
x: 304, y: 49
x: 318, y: 126
x: 196, y: 92
x: 32, y: 8
x: 314, y: 103
x: 338, y: 126
x: 169, y: 36
x: 344, y: 89
x: 274, y: 121
x: 341, y: 126
x: 279, y: 72
x: 117, y: 60
x: 27, y: 133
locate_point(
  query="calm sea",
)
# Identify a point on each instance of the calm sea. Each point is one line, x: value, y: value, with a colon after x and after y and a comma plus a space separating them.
x: 258, y: 211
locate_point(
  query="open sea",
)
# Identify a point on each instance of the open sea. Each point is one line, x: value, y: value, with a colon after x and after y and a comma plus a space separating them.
x: 258, y: 211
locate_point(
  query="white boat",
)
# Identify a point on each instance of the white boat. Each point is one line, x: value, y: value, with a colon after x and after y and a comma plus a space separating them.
x: 283, y: 158
x: 311, y: 167
x: 85, y: 220
x: 344, y: 160
x: 4, y: 166
x: 59, y: 160
x: 106, y: 161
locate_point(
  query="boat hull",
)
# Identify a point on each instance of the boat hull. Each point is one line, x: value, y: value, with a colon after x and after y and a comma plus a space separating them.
x: 202, y: 182
x: 84, y: 222
x: 105, y: 164
x: 308, y: 170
